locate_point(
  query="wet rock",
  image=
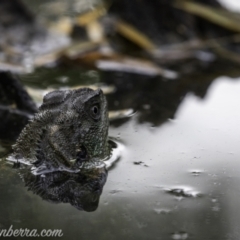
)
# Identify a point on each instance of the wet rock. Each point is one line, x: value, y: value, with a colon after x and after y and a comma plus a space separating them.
x: 16, y: 106
x: 183, y: 192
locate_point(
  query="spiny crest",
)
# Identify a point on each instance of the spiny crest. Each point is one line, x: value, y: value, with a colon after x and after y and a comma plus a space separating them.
x: 83, y: 91
x: 54, y: 98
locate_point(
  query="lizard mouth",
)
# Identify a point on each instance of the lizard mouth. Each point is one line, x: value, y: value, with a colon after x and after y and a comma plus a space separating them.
x: 81, y: 155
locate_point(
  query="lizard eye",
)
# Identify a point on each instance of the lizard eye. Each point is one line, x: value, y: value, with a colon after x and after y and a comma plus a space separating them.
x: 95, y: 111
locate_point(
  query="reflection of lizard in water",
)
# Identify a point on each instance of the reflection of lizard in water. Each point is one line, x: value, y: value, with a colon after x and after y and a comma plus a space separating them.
x: 69, y: 132
x: 82, y: 190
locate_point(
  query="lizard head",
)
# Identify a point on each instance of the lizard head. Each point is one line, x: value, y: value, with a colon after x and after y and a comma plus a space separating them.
x: 70, y: 129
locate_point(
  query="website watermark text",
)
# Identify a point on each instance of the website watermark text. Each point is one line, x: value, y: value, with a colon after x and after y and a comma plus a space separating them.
x: 25, y: 232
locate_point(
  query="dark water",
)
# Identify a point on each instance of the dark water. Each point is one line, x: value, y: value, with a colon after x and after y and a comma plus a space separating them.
x: 178, y: 177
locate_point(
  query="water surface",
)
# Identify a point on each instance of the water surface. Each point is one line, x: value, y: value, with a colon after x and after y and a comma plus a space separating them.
x: 175, y: 180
